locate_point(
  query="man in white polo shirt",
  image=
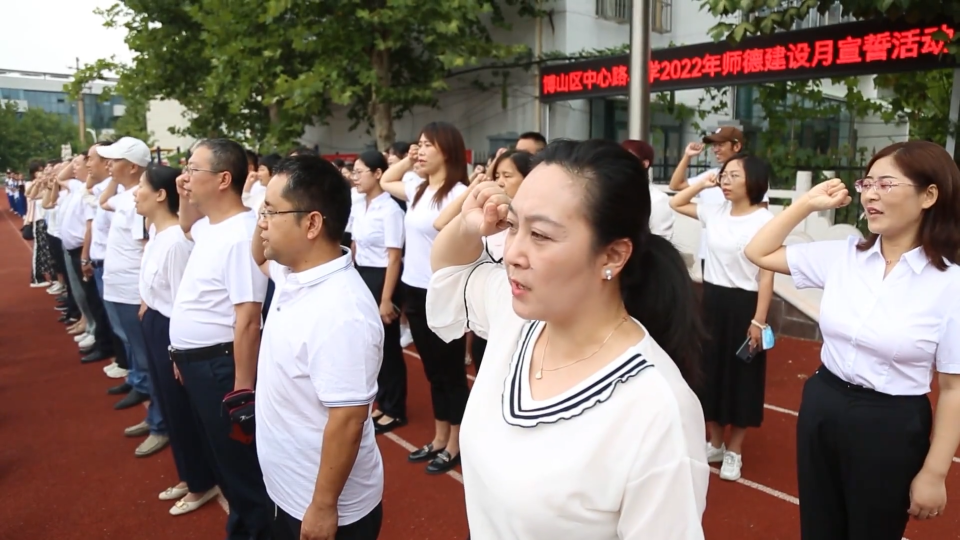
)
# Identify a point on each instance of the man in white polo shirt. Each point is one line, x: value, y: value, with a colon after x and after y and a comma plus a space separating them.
x: 319, y: 360
x: 215, y: 327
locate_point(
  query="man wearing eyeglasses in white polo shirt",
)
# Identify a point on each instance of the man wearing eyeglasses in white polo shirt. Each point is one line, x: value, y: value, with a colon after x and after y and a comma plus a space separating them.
x: 319, y: 361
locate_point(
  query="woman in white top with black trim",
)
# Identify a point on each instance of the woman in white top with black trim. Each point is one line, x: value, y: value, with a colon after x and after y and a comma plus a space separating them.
x: 736, y: 298
x: 581, y: 423
x: 889, y: 317
x: 442, y: 158
x: 377, y: 222
x: 164, y: 259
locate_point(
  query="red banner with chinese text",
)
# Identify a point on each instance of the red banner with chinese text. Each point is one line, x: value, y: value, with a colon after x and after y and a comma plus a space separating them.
x: 842, y: 50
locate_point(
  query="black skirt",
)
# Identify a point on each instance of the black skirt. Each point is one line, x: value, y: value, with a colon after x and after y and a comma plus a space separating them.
x: 733, y: 390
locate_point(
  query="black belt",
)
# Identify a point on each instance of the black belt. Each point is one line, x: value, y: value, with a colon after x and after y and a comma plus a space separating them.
x: 96, y: 264
x: 203, y: 354
x: 835, y: 381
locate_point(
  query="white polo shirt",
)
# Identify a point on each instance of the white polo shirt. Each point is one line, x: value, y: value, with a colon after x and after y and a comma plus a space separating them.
x: 220, y: 274
x: 377, y: 227
x: 322, y: 348
x: 121, y: 264
x: 164, y: 260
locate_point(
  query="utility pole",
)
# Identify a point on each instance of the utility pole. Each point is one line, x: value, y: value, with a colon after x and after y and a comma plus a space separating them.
x: 639, y: 124
x: 80, y: 112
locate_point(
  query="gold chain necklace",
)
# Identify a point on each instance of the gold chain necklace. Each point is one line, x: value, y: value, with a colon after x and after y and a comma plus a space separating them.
x: 543, y: 353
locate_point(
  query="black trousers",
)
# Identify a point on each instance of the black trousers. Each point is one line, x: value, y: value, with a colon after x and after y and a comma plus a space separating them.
x: 190, y: 455
x: 392, y: 380
x: 442, y: 361
x: 477, y: 347
x: 287, y: 527
x: 858, y: 450
x: 103, y: 335
x: 236, y: 466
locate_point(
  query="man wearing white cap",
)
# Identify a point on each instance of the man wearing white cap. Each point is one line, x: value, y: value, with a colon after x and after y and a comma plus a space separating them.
x: 121, y: 281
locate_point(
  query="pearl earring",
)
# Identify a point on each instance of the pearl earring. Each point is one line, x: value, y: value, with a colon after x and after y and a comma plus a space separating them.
x: 607, y: 274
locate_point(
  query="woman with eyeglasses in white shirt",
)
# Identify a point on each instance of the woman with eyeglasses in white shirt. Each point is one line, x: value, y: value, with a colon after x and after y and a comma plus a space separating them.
x: 377, y: 223
x: 889, y: 317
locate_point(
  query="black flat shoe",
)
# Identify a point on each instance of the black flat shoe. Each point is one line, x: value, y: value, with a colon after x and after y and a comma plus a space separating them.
x: 132, y: 399
x: 379, y: 428
x: 426, y: 453
x: 120, y: 389
x: 443, y: 463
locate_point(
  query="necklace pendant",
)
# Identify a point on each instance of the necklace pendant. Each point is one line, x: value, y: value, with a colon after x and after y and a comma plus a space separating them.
x: 538, y: 375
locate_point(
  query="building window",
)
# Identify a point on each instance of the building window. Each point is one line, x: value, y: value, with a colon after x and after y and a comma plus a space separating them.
x: 614, y: 10
x: 662, y: 17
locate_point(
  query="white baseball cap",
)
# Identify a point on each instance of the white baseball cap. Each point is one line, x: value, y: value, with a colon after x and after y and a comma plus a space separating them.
x: 133, y: 150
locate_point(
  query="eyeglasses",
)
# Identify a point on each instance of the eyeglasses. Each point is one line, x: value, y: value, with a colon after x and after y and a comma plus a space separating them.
x: 884, y: 186
x: 356, y: 173
x: 265, y: 215
x: 190, y: 170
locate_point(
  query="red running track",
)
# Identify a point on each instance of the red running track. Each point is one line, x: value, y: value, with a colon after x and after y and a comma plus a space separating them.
x: 67, y: 472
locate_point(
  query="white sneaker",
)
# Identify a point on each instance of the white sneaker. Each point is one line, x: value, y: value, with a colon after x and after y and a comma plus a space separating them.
x: 88, y: 341
x: 406, y: 338
x: 117, y: 373
x: 715, y: 455
x: 57, y: 288
x: 40, y: 285
x: 108, y: 368
x: 731, y: 467
x: 80, y: 337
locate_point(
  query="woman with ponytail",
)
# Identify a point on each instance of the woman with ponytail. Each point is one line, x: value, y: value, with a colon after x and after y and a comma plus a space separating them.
x: 583, y: 422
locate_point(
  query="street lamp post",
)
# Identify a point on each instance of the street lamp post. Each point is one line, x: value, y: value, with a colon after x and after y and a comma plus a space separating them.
x: 639, y: 125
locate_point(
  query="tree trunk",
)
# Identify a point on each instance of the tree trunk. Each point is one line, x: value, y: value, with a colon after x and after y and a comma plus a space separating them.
x: 382, y: 113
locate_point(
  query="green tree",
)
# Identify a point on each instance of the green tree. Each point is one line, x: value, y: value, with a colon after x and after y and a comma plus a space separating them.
x: 261, y: 72
x: 133, y: 123
x: 32, y: 134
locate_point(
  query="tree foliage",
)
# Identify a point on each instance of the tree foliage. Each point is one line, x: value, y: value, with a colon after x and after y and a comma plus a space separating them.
x: 922, y: 97
x: 262, y: 71
x: 32, y: 134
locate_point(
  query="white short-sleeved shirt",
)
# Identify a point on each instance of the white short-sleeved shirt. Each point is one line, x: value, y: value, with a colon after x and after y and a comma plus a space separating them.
x: 220, y: 274
x: 53, y: 214
x: 322, y: 348
x: 888, y: 334
x: 726, y: 236
x: 411, y: 177
x: 377, y: 227
x: 73, y: 216
x: 253, y: 199
x: 420, y: 233
x: 121, y: 265
x: 662, y: 217
x: 633, y: 465
x: 164, y: 259
x: 101, y: 222
x: 712, y: 195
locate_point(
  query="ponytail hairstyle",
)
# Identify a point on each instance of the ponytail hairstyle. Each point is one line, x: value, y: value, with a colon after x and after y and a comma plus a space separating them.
x: 655, y: 283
